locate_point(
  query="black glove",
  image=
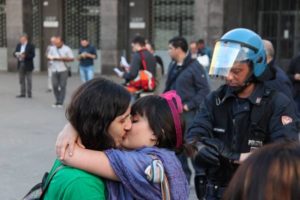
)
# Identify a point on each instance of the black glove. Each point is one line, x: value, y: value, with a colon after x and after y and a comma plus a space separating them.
x: 220, y: 147
x: 200, y: 186
x: 206, y: 155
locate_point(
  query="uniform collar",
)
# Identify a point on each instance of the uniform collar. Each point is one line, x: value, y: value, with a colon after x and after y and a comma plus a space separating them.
x: 257, y: 94
x: 254, y: 98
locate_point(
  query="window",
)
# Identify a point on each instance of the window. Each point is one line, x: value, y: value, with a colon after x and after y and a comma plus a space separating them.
x: 171, y: 18
x: 82, y: 19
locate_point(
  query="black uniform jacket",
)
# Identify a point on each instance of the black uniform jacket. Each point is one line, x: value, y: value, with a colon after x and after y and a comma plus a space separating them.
x: 225, y: 116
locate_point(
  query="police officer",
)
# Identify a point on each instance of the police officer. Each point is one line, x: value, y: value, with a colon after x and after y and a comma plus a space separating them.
x: 240, y: 116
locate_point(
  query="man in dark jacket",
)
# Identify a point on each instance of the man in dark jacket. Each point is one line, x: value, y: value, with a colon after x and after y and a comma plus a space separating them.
x: 188, y: 78
x: 25, y: 53
x: 239, y: 117
x: 281, y: 82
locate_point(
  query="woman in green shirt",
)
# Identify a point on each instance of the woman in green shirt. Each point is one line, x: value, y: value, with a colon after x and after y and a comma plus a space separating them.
x: 100, y: 127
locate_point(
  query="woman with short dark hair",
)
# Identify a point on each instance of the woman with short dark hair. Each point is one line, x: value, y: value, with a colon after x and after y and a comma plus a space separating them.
x: 98, y: 108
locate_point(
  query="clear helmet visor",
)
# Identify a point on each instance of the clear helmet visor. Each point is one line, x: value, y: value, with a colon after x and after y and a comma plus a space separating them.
x: 225, y: 55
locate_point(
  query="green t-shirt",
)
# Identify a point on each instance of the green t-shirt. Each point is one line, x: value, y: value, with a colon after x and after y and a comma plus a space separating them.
x: 72, y: 184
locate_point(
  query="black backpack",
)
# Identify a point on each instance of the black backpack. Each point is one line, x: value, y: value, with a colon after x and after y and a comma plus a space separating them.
x: 38, y: 191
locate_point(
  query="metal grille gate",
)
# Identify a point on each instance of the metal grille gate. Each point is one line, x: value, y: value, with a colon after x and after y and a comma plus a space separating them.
x: 171, y: 18
x: 36, y: 23
x: 3, y: 41
x: 279, y: 22
x: 82, y: 19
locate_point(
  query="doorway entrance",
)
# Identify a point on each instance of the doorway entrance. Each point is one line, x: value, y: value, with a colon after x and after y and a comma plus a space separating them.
x: 279, y: 22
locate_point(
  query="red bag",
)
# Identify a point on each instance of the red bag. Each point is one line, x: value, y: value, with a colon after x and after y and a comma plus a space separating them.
x: 144, y: 81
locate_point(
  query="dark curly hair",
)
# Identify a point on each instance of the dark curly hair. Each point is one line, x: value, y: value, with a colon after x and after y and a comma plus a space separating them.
x: 93, y: 107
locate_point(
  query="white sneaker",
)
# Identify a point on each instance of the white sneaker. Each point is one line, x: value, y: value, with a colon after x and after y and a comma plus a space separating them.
x: 54, y: 105
x: 59, y: 106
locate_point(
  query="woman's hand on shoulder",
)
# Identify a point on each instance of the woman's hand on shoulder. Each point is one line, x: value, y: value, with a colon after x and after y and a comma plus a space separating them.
x: 66, y: 140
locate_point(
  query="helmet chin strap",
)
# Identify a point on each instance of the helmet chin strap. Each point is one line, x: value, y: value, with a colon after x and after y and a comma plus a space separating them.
x: 238, y: 89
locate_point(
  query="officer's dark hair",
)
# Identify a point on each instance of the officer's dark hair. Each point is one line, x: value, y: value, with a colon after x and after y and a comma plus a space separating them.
x: 93, y: 107
x: 139, y: 40
x: 84, y: 38
x: 200, y: 41
x: 179, y: 42
x: 160, y: 118
x: 272, y: 172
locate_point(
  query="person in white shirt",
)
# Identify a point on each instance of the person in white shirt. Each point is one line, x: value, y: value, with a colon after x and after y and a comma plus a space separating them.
x: 60, y: 55
x: 49, y: 82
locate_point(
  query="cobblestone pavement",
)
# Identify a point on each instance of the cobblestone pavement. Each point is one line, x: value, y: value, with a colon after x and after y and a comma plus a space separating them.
x: 28, y: 129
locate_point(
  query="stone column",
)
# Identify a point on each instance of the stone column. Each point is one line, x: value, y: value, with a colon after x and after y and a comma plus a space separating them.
x: 14, y: 28
x: 208, y: 20
x: 109, y: 39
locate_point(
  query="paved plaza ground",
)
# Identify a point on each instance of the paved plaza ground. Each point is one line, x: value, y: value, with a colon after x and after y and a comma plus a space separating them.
x: 28, y: 129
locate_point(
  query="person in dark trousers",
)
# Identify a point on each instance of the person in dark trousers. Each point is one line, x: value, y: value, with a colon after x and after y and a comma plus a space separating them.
x: 25, y: 54
x: 188, y: 78
x: 281, y: 82
x: 87, y: 54
x: 239, y: 117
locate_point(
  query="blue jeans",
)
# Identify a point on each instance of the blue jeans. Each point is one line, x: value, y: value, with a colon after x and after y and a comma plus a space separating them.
x: 86, y: 73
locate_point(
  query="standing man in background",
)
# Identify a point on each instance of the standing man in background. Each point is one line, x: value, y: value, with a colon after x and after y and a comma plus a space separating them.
x: 60, y: 55
x: 87, y: 54
x: 281, y: 82
x: 25, y: 53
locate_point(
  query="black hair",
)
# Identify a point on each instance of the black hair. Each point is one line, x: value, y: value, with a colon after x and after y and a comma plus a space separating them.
x: 139, y: 40
x: 179, y: 42
x: 160, y: 118
x: 200, y: 41
x: 93, y: 107
x: 84, y: 38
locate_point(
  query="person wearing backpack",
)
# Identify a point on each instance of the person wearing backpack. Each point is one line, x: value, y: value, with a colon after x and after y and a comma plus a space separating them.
x: 188, y: 78
x: 240, y: 116
x: 141, y: 73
